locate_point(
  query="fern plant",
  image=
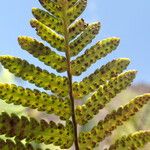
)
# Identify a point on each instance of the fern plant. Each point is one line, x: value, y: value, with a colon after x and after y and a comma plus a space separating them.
x: 57, y: 25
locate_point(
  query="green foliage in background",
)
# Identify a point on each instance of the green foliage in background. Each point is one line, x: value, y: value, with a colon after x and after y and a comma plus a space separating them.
x: 57, y: 24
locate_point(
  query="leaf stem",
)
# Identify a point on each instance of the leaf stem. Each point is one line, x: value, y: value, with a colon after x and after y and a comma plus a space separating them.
x: 66, y: 36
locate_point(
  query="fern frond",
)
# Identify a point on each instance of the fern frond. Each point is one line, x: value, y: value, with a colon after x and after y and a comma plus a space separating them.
x: 35, y: 99
x: 84, y: 39
x: 54, y: 39
x: 48, y: 20
x: 103, y: 96
x: 51, y: 7
x: 36, y: 75
x: 111, y: 122
x: 133, y: 141
x: 75, y: 11
x: 99, y: 77
x: 101, y: 49
x: 32, y: 130
x: 43, y: 53
x: 76, y: 28
x: 17, y: 145
x: 57, y: 25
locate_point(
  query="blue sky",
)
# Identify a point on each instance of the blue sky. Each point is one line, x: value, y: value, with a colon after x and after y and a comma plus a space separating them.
x: 129, y: 20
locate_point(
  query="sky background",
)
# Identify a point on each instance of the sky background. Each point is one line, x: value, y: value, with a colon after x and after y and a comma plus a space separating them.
x: 129, y: 20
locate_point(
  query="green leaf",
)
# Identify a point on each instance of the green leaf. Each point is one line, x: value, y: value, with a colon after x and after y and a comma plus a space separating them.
x: 84, y: 39
x: 17, y: 145
x: 101, y: 49
x: 75, y: 11
x: 99, y: 77
x: 41, y: 78
x: 132, y: 141
x: 32, y: 130
x: 103, y: 96
x: 111, y: 122
x: 48, y: 19
x: 54, y: 39
x: 43, y: 53
x: 52, y: 7
x: 35, y: 99
x: 76, y: 28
